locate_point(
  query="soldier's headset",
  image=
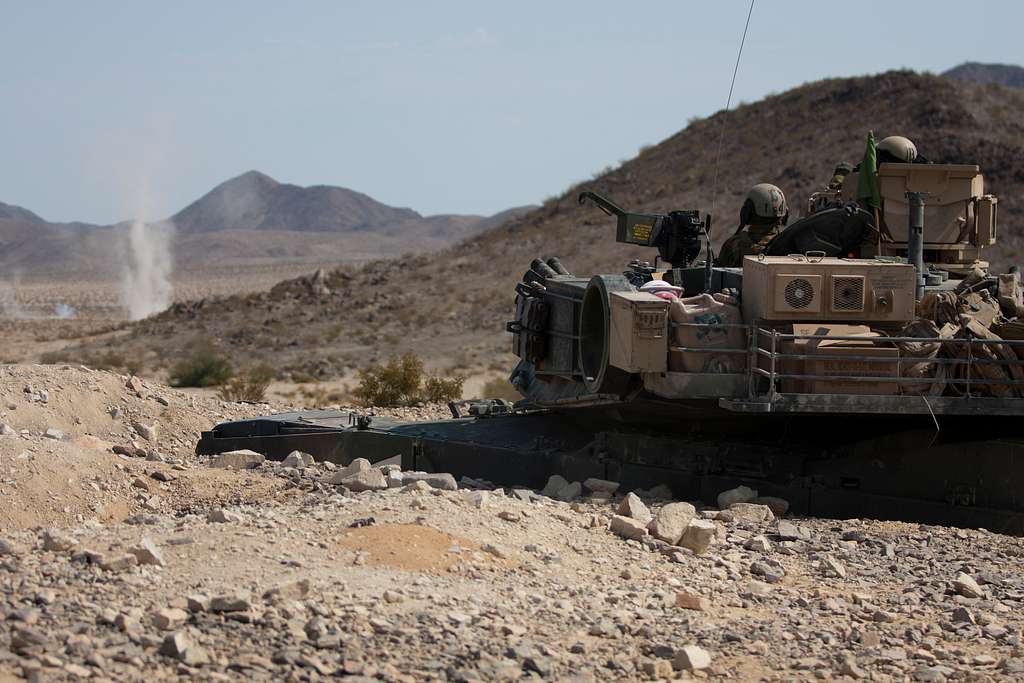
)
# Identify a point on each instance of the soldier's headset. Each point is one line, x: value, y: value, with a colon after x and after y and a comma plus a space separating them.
x: 747, y: 213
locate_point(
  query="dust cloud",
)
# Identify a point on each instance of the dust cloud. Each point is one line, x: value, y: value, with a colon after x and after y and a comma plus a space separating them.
x: 146, y: 277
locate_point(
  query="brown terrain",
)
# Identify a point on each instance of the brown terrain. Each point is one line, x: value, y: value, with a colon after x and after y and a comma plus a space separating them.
x: 123, y: 556
x: 450, y: 307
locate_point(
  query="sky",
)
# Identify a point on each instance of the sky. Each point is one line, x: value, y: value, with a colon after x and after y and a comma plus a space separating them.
x: 116, y: 110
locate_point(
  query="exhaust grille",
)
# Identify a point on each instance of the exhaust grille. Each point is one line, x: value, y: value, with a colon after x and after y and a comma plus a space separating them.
x: 848, y: 293
x: 799, y: 293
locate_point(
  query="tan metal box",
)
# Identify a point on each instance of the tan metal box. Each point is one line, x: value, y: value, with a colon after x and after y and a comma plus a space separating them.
x: 799, y: 288
x: 638, y: 332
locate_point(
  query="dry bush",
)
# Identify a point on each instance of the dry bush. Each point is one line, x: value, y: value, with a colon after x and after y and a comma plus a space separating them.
x: 402, y: 382
x: 249, y: 387
x: 443, y: 389
x: 395, y: 384
x: 204, y: 368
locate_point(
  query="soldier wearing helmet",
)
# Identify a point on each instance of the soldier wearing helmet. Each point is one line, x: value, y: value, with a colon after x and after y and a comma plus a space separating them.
x: 762, y: 216
x: 897, y: 149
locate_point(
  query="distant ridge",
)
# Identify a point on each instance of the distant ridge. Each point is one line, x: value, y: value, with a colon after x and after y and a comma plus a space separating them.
x: 1009, y: 75
x: 249, y: 219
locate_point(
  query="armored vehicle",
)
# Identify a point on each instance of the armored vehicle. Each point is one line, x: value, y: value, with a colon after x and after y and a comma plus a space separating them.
x: 864, y: 363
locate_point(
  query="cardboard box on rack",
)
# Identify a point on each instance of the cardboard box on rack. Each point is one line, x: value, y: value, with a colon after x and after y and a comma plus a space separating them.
x: 804, y: 347
x: 854, y: 366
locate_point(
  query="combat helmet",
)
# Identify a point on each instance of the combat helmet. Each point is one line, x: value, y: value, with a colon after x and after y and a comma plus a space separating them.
x: 765, y: 203
x: 898, y: 149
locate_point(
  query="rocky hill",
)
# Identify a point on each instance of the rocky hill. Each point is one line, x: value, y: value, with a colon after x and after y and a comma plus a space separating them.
x: 250, y: 219
x: 1009, y: 75
x: 450, y: 307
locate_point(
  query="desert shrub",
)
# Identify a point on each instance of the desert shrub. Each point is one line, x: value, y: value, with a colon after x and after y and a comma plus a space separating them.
x: 500, y: 388
x: 203, y: 368
x: 402, y: 382
x: 443, y: 389
x: 395, y: 384
x: 249, y: 387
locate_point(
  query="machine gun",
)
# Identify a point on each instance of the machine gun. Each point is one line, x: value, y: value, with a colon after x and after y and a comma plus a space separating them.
x: 676, y: 234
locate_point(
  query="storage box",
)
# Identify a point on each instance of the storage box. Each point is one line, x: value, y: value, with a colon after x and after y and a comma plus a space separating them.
x: 638, y: 332
x: 854, y: 366
x: 794, y: 366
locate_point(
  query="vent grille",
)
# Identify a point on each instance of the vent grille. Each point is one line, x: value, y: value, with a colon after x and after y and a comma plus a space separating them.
x: 799, y: 293
x: 848, y: 293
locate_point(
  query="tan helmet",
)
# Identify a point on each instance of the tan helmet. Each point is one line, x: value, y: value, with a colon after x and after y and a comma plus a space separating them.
x: 899, y: 148
x: 765, y: 204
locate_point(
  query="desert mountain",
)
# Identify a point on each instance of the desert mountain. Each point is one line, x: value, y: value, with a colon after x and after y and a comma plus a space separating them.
x: 988, y: 74
x: 250, y: 219
x: 451, y: 306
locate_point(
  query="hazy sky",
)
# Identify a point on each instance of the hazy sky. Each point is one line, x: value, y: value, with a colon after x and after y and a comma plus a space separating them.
x: 110, y: 110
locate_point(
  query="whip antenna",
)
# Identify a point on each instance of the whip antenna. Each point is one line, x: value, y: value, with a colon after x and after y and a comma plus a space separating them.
x: 728, y: 102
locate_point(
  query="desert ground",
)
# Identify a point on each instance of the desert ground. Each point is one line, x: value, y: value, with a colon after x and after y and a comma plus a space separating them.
x: 125, y: 557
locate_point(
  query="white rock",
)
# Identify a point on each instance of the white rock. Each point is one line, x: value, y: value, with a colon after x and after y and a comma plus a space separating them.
x: 146, y: 552
x: 751, y: 512
x: 243, y: 459
x: 632, y: 506
x: 692, y: 658
x: 54, y: 434
x: 438, y: 480
x: 627, y: 527
x: 671, y: 521
x: 367, y: 480
x: 298, y: 460
x: 147, y: 432
x: 6, y: 430
x: 698, y: 535
x: 222, y: 516
x: 966, y: 586
x: 740, y: 494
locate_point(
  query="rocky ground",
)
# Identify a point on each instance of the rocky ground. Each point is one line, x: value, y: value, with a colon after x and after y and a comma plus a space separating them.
x: 149, y: 562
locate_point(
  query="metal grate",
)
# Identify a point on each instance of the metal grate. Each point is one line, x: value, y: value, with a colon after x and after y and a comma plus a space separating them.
x: 847, y: 293
x: 799, y: 293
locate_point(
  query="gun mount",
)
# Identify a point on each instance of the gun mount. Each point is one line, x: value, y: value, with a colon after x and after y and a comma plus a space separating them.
x: 676, y: 234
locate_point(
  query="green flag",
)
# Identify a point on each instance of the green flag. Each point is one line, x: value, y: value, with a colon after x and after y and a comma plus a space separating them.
x: 867, y: 179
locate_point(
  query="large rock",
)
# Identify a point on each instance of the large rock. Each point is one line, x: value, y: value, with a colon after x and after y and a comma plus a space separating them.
x: 699, y: 535
x: 367, y: 480
x: 595, y: 485
x: 180, y: 646
x: 740, y: 494
x: 355, y: 467
x: 147, y: 432
x: 752, y: 513
x: 627, y: 527
x: 788, y: 531
x: 555, y: 484
x: 437, y: 480
x: 671, y: 521
x: 298, y: 460
x: 243, y: 459
x: 769, y: 570
x: 966, y: 586
x: 57, y: 541
x: 632, y: 506
x: 779, y: 506
x: 570, y: 492
x: 146, y: 552
x: 692, y: 658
